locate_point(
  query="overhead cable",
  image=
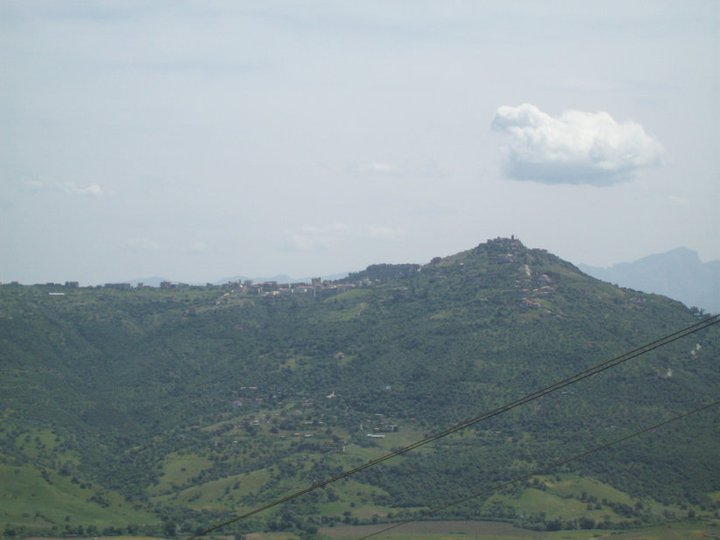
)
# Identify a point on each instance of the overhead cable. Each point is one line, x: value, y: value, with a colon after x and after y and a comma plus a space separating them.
x: 577, y: 377
x: 547, y: 467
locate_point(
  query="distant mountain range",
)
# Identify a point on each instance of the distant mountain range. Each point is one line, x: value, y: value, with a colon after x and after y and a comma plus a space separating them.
x: 678, y: 274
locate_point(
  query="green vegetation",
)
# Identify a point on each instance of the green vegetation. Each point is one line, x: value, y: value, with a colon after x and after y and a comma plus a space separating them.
x: 42, y: 501
x: 163, y: 411
x: 449, y: 530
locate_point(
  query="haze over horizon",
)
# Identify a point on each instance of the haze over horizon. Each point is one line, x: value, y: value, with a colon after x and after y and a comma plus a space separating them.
x: 195, y: 140
x: 284, y: 277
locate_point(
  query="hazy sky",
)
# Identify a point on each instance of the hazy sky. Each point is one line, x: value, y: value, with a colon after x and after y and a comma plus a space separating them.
x: 197, y: 140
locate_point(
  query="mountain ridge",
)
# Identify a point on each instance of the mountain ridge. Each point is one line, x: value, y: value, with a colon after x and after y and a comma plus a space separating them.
x: 186, y: 404
x: 678, y: 273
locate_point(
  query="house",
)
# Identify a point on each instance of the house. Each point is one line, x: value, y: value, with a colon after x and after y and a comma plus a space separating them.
x: 118, y: 286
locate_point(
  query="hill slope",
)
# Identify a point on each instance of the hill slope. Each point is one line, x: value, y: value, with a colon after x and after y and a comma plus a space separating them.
x: 188, y: 405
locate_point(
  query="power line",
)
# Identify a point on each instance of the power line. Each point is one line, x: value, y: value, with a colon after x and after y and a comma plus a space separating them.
x: 549, y: 466
x: 589, y: 372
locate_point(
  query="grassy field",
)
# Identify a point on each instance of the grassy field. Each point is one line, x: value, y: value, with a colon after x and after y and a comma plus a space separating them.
x: 435, y: 530
x: 481, y: 530
x: 29, y: 499
x: 179, y: 469
x: 454, y: 530
x: 221, y: 494
x: 535, y: 500
x: 573, y: 485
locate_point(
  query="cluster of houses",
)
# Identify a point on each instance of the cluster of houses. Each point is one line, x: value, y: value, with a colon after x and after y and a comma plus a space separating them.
x: 376, y: 426
x: 317, y: 286
x: 265, y: 288
x: 379, y: 426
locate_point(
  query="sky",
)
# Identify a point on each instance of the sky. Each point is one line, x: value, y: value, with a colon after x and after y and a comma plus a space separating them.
x: 195, y: 140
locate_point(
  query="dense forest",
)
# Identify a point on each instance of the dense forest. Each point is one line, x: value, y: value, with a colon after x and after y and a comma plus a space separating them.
x: 165, y: 410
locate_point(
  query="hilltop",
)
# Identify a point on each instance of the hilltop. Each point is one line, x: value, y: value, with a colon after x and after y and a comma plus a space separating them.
x: 143, y: 409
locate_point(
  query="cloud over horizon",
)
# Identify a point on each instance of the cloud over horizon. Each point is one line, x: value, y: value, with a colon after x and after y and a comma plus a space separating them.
x: 311, y: 237
x: 70, y: 188
x: 575, y: 147
x: 428, y: 169
x: 143, y: 244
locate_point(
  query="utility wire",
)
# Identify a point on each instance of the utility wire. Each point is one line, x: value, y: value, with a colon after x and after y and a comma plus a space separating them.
x: 548, y: 467
x: 589, y: 372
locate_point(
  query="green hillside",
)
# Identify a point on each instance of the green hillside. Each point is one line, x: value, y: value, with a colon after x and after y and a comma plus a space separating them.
x: 166, y: 410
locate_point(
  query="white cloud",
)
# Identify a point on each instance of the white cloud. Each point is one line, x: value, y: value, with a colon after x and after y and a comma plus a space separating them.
x: 143, y: 244
x: 311, y: 237
x: 380, y: 232
x: 574, y: 148
x: 429, y: 169
x: 381, y: 168
x: 71, y: 188
x: 93, y: 190
x: 198, y: 247
x: 677, y: 200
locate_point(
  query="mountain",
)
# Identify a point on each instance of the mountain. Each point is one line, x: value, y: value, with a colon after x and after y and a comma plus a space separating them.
x: 678, y: 274
x: 163, y: 411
